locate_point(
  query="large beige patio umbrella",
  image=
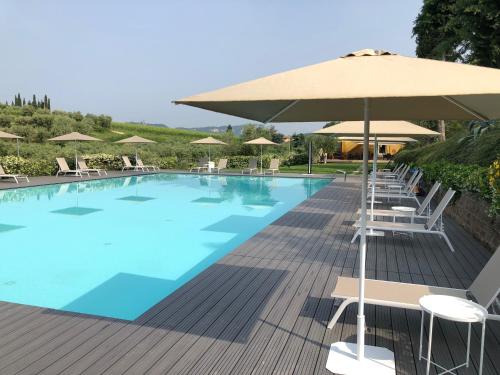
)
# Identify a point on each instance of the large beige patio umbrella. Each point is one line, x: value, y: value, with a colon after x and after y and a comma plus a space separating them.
x: 364, y: 85
x: 135, y: 139
x: 208, y: 141
x: 262, y: 142
x: 6, y: 135
x: 74, y: 137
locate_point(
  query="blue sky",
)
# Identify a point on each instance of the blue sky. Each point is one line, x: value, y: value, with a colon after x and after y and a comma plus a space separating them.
x: 129, y: 59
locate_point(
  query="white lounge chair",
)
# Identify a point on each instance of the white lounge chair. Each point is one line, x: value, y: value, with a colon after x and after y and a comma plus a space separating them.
x: 82, y: 166
x: 483, y: 290
x: 140, y: 164
x: 252, y: 167
x: 222, y: 164
x: 202, y: 164
x: 422, y: 212
x: 398, y: 191
x: 398, y: 176
x: 382, y: 184
x: 65, y: 170
x: 127, y: 165
x: 434, y: 224
x: 16, y: 177
x: 274, y: 167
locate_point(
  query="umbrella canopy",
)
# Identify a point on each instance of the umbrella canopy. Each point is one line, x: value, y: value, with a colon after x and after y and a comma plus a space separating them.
x: 208, y: 141
x: 386, y: 128
x: 262, y: 142
x: 135, y: 139
x: 364, y: 85
x: 74, y: 137
x: 380, y: 139
x: 399, y: 88
x: 6, y: 135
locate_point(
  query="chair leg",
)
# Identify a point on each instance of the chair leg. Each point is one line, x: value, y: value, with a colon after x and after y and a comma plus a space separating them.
x: 340, y: 310
x: 355, y: 235
x: 448, y: 242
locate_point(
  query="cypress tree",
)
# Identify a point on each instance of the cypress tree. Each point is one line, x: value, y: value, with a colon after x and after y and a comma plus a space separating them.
x: 48, y: 104
x: 24, y: 102
x: 34, y: 102
x: 12, y: 103
x: 45, y: 105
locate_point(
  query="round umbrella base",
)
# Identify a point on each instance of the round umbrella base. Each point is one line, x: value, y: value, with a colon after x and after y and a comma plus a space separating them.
x: 342, y: 360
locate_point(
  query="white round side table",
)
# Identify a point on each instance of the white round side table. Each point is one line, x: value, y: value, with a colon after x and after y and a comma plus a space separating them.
x: 457, y: 310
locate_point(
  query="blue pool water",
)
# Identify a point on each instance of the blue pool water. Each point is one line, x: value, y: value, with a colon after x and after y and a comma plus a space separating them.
x: 116, y: 247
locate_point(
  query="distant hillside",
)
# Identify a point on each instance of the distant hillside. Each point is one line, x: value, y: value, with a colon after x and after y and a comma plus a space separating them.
x: 216, y: 129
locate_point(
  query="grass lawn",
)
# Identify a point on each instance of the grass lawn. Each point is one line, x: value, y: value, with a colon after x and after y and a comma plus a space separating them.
x: 326, y: 168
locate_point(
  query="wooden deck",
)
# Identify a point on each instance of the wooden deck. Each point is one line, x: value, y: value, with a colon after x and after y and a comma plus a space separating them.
x: 263, y: 308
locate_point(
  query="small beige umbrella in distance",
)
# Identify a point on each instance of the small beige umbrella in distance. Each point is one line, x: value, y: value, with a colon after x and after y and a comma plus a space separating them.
x: 74, y: 137
x: 135, y: 139
x: 210, y: 141
x: 364, y: 85
x: 262, y: 142
x: 6, y: 135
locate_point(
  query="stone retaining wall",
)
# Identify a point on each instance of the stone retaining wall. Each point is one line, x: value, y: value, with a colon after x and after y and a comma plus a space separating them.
x: 471, y: 213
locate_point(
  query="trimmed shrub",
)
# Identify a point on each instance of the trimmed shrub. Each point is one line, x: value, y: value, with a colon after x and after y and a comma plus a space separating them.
x: 104, y: 161
x: 18, y: 165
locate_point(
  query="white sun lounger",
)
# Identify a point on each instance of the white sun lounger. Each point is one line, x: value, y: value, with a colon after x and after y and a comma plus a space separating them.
x: 432, y: 226
x: 483, y: 290
x: 422, y: 212
x: 82, y: 166
x: 140, y: 164
x: 385, y: 182
x: 202, y: 164
x: 394, y: 177
x: 406, y: 192
x: 274, y: 167
x: 252, y: 167
x: 16, y: 177
x: 128, y: 165
x: 222, y: 164
x: 64, y: 169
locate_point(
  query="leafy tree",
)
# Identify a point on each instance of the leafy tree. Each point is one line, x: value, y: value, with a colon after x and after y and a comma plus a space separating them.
x: 477, y: 129
x: 298, y: 140
x: 229, y: 129
x: 478, y: 24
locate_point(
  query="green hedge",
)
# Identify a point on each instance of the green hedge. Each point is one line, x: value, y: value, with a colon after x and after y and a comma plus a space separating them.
x: 18, y: 165
x: 483, y: 181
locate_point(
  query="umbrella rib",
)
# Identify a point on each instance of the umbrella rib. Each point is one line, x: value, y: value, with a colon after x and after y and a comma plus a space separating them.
x: 465, y: 108
x: 281, y: 111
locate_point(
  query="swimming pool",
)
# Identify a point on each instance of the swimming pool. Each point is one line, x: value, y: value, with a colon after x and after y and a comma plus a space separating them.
x: 115, y: 247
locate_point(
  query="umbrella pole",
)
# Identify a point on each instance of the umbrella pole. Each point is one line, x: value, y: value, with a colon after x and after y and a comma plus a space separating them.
x: 362, y: 241
x: 76, y: 157
x: 347, y: 358
x: 260, y: 159
x: 17, y: 141
x: 374, y: 175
